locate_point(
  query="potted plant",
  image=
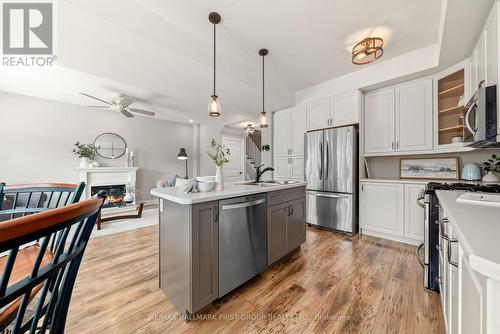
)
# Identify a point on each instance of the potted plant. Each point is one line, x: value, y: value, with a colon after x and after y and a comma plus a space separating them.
x: 85, y: 152
x: 491, y: 167
x: 218, y: 153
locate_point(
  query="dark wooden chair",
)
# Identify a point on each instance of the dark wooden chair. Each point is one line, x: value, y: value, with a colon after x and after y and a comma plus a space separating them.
x: 37, y: 282
x: 19, y: 200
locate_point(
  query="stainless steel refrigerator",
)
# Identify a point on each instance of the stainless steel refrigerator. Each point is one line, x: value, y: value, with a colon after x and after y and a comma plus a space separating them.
x: 331, y: 171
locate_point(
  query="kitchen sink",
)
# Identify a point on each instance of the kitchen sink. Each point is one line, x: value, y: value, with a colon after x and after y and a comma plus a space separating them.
x: 269, y: 183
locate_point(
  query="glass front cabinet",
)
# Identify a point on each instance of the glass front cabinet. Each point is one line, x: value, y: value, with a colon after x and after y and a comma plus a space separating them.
x: 451, y: 93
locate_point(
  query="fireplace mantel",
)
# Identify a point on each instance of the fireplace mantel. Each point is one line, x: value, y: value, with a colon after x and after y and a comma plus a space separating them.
x: 106, y: 176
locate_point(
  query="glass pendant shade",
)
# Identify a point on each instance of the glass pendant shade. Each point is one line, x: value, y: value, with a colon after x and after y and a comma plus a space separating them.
x: 263, y: 120
x: 214, y: 108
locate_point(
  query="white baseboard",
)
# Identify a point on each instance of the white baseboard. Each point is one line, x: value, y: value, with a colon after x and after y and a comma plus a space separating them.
x: 397, y: 238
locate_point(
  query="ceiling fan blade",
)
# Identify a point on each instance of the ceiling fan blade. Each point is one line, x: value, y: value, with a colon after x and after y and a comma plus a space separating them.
x: 140, y: 111
x: 99, y: 107
x: 126, y: 113
x: 95, y: 98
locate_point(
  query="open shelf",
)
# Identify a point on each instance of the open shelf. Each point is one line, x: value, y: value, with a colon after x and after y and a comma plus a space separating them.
x: 452, y: 110
x: 453, y: 91
x: 450, y: 90
x: 452, y: 129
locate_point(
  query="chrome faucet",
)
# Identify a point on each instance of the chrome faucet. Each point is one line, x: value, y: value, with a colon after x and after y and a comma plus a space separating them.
x: 258, y: 172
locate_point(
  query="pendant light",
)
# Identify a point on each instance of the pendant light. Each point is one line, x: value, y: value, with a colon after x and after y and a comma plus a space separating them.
x: 214, y: 108
x: 250, y: 129
x: 263, y: 118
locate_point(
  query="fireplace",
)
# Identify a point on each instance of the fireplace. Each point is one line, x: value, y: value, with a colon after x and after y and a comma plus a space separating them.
x: 116, y: 194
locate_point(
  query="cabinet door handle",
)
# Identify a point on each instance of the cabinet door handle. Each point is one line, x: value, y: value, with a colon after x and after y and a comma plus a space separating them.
x: 450, y: 261
x: 397, y: 145
x: 291, y: 208
x: 392, y: 146
x: 216, y: 214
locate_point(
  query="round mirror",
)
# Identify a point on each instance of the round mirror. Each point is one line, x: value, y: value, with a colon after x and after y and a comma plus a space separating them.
x: 110, y: 145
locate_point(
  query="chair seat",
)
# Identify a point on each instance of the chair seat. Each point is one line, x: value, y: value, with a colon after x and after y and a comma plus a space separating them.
x: 23, y: 265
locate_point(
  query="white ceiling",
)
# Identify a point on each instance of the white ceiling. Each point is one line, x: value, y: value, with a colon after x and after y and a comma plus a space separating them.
x: 160, y: 51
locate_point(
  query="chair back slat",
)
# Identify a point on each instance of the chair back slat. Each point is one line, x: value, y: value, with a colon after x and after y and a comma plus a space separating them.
x: 25, y: 199
x: 48, y: 275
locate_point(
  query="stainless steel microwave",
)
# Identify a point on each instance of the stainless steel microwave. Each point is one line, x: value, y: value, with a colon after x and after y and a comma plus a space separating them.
x: 481, y: 119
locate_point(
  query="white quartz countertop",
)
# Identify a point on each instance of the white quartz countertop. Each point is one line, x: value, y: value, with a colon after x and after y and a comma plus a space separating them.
x: 419, y: 181
x: 477, y: 228
x: 230, y: 190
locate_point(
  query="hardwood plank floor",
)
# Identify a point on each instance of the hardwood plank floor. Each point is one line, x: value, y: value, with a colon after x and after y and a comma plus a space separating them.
x: 333, y: 284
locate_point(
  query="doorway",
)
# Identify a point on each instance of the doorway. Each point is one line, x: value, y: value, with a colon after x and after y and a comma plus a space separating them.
x: 234, y: 170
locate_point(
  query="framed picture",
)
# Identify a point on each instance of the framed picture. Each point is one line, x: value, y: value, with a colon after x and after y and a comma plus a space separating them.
x: 429, y: 168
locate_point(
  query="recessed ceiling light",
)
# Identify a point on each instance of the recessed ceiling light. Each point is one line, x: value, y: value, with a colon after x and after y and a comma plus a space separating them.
x: 191, y: 121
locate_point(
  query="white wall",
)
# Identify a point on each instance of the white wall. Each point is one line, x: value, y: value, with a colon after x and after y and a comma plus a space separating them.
x: 37, y: 138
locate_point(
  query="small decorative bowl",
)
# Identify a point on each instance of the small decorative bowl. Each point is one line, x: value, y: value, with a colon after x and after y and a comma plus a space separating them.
x: 205, y: 178
x: 205, y: 186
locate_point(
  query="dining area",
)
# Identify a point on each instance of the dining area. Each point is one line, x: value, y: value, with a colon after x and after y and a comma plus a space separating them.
x: 44, y: 231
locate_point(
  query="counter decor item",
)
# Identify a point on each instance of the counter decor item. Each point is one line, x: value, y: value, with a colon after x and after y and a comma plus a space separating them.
x: 457, y: 139
x: 130, y: 194
x: 205, y: 186
x: 491, y: 167
x: 218, y: 153
x: 471, y: 172
x: 85, y: 152
x: 429, y: 168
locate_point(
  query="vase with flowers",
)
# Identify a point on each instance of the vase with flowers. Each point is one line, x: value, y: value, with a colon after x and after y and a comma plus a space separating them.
x: 218, y: 153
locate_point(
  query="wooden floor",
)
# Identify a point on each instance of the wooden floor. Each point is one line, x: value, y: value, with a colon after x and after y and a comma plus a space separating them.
x: 334, y: 284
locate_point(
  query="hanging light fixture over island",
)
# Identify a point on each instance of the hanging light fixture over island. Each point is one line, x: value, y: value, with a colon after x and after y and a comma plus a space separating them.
x: 264, y: 123
x: 214, y: 108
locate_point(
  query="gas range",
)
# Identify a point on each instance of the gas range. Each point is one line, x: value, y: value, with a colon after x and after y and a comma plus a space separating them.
x: 470, y: 187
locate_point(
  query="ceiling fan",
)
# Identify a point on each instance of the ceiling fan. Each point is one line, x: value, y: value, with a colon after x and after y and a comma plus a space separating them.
x: 120, y: 103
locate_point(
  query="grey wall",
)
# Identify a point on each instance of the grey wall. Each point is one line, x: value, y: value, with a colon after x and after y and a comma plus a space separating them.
x: 37, y: 138
x: 388, y: 167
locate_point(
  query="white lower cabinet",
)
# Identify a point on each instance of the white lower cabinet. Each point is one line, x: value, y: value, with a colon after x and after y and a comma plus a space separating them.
x: 381, y: 207
x: 390, y: 210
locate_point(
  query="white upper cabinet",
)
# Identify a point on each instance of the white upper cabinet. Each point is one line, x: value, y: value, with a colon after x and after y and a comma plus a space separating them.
x: 379, y: 121
x: 414, y: 116
x: 491, y: 47
x: 318, y: 114
x: 480, y: 62
x: 337, y: 110
x: 281, y: 132
x: 399, y: 118
x: 297, y: 129
x: 346, y: 108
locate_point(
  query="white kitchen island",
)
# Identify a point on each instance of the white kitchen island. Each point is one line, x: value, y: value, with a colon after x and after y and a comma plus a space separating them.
x: 469, y: 265
x: 212, y: 242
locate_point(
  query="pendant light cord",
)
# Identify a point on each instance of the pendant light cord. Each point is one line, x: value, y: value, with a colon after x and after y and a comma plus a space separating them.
x: 214, y: 58
x: 263, y: 85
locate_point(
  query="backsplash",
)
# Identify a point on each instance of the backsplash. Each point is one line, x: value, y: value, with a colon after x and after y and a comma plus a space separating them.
x: 388, y: 167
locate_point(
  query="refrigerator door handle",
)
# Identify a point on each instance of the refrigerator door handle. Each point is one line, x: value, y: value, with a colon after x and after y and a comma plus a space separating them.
x: 327, y: 161
x: 321, y: 164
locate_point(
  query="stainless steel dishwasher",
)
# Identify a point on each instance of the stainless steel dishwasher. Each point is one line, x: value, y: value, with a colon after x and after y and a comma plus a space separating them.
x: 242, y: 240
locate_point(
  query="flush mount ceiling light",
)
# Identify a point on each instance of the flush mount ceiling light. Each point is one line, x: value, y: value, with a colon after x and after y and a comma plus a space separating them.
x: 263, y: 118
x: 250, y: 129
x: 214, y: 108
x: 367, y: 51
